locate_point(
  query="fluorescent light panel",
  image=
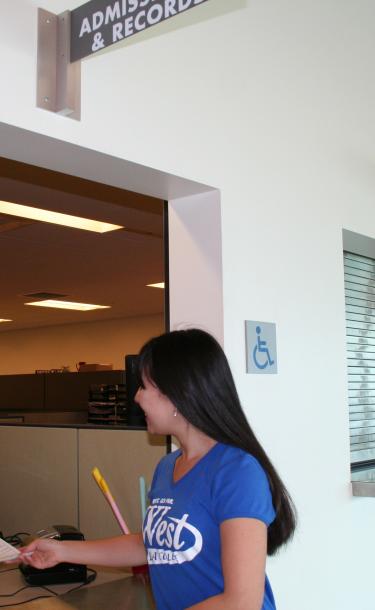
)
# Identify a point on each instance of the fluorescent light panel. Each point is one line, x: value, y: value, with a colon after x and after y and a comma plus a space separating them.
x: 5, y: 320
x: 67, y: 305
x: 159, y: 285
x: 56, y: 218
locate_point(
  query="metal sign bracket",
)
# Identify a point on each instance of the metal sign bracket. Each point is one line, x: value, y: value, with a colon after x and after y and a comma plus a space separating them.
x: 58, y: 80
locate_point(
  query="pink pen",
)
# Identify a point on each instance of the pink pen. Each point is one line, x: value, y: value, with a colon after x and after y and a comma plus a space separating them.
x: 105, y: 489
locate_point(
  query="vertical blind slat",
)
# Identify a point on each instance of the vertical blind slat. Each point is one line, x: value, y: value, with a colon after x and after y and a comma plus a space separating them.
x: 360, y: 331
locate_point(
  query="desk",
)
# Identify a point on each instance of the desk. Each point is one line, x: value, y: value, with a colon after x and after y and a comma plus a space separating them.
x: 112, y: 590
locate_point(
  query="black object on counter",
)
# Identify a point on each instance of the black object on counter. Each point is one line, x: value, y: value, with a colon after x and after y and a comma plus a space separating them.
x: 62, y: 572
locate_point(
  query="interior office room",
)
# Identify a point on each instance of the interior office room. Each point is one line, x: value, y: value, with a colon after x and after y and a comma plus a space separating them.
x: 253, y: 120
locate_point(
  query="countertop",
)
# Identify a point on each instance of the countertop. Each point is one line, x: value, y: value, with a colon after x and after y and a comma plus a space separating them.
x: 5, y: 422
x: 57, y: 419
x: 112, y: 590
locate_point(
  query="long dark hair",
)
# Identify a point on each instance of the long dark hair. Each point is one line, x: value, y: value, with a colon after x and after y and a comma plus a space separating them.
x: 191, y: 369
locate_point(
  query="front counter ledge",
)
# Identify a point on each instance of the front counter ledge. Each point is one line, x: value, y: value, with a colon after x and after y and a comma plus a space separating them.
x: 363, y: 488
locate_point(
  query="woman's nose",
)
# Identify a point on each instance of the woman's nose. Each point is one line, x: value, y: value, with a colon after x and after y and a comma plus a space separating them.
x: 136, y: 396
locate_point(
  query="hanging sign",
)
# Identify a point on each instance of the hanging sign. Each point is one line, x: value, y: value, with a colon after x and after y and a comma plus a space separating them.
x: 100, y: 23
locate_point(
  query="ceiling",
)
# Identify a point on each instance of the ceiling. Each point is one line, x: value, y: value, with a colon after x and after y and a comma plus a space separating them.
x: 106, y: 269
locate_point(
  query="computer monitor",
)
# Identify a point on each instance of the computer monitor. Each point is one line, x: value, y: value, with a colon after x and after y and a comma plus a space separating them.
x: 135, y: 415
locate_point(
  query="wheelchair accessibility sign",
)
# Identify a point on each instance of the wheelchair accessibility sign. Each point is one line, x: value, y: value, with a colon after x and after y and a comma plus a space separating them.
x: 261, y: 355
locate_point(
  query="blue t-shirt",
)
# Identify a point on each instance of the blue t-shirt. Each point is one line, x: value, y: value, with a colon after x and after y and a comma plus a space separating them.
x: 181, y: 530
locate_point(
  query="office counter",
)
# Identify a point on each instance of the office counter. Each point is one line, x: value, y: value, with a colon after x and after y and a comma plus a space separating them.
x: 124, y: 594
x: 112, y: 590
x: 46, y: 472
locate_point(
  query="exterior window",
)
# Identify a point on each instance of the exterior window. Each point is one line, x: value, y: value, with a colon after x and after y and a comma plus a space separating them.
x: 360, y: 335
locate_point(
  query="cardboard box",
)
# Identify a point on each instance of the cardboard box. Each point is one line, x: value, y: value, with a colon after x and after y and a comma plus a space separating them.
x: 89, y: 368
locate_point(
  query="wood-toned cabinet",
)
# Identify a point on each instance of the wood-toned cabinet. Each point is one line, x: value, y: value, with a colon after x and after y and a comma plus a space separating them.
x: 21, y: 392
x: 52, y: 391
x: 70, y: 391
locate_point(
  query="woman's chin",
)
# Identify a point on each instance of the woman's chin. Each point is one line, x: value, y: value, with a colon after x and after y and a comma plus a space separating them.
x: 150, y: 427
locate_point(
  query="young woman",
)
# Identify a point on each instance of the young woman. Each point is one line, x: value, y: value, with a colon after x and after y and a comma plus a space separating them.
x: 217, y: 505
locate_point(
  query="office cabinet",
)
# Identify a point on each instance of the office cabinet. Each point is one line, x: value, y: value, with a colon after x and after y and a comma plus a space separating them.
x: 70, y: 391
x: 52, y: 391
x: 21, y: 392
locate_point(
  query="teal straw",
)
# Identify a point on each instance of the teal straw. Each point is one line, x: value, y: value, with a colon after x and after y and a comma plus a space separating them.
x: 142, y: 492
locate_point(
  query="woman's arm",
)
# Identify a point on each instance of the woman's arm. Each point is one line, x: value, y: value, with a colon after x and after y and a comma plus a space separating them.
x: 113, y: 552
x: 243, y: 557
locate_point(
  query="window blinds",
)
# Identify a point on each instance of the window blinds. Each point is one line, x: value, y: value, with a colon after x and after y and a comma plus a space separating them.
x: 360, y: 336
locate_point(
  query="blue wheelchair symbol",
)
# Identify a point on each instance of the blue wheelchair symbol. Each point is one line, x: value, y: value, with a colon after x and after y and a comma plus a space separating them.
x: 259, y: 349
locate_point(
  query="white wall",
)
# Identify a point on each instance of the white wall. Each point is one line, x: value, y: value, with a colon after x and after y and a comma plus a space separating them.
x: 195, y: 263
x: 24, y: 351
x: 271, y: 102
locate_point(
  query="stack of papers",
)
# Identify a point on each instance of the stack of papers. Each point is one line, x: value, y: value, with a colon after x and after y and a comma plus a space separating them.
x: 7, y: 551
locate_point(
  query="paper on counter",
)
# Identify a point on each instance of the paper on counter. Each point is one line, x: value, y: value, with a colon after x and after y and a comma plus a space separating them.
x: 7, y: 551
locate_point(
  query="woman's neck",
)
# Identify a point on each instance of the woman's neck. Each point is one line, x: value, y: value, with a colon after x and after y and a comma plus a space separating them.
x: 194, y: 444
x: 194, y: 447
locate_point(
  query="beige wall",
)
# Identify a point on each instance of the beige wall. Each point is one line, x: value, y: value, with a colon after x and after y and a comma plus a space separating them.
x: 53, y: 471
x: 24, y: 351
x: 41, y: 479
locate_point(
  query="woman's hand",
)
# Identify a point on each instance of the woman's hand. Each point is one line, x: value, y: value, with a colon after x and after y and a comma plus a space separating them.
x: 112, y: 552
x: 42, y: 553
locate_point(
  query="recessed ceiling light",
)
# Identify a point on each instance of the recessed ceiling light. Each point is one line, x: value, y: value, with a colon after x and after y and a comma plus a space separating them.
x: 5, y: 320
x: 159, y: 285
x: 66, y: 220
x: 42, y: 296
x: 68, y: 305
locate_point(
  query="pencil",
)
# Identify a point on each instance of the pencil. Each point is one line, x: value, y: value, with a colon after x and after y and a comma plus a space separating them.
x: 108, y: 496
